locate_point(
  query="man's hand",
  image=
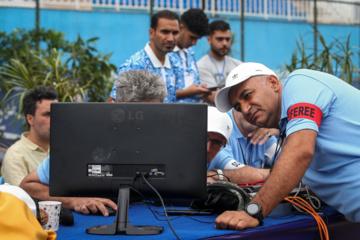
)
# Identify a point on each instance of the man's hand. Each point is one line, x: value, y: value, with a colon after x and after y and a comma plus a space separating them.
x: 235, y: 220
x: 192, y: 90
x: 261, y: 135
x: 32, y: 185
x: 210, y: 98
x: 90, y: 205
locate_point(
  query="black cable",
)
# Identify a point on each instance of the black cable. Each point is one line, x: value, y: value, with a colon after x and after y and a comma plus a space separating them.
x: 154, y: 212
x: 242, y: 152
x: 242, y: 192
x: 283, y: 216
x: 325, y: 216
x: 217, y: 174
x: 280, y: 141
x: 162, y: 203
x: 197, y: 219
x: 183, y: 215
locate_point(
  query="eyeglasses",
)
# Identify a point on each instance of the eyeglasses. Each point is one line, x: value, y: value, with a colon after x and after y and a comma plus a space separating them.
x: 217, y: 143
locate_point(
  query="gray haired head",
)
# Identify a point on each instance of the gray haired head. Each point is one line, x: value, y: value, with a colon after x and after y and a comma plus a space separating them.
x: 140, y: 86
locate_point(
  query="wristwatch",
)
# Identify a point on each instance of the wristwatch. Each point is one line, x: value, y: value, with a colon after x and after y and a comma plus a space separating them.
x: 254, y: 210
x: 220, y: 174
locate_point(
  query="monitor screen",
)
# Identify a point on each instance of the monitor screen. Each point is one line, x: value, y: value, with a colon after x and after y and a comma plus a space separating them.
x: 97, y: 148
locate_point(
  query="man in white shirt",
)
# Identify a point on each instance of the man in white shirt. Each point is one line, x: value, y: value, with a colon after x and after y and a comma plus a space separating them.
x: 215, y: 66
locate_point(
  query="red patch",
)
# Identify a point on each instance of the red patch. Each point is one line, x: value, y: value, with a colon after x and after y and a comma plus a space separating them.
x: 305, y: 110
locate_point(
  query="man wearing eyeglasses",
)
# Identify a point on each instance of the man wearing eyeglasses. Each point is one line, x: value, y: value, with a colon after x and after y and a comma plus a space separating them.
x: 219, y: 130
x: 249, y: 148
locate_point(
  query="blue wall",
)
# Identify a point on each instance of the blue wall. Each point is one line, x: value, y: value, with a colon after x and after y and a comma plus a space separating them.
x: 269, y: 42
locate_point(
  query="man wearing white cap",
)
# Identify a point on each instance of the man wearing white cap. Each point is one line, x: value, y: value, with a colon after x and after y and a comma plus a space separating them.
x: 219, y: 130
x: 221, y: 127
x: 320, y: 116
x: 249, y: 147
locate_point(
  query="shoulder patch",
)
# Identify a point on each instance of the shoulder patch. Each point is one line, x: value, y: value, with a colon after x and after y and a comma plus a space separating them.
x: 305, y: 110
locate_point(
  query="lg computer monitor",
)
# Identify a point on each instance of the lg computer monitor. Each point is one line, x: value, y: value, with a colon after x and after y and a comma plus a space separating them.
x: 98, y: 148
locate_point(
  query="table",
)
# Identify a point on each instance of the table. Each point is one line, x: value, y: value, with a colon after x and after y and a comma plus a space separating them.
x: 299, y: 226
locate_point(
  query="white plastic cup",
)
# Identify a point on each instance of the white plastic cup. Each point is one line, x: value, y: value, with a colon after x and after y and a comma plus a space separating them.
x: 50, y: 214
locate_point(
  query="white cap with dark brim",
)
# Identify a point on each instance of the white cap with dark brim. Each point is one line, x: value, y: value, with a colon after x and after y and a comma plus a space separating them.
x: 238, y: 75
x: 219, y: 122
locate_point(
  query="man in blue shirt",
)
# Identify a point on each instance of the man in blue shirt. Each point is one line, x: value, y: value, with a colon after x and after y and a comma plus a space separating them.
x: 163, y: 36
x: 193, y: 26
x: 249, y: 154
x: 220, y: 129
x: 320, y: 116
x: 243, y: 150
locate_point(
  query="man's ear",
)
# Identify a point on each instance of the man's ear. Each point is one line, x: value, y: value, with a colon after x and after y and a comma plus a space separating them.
x: 208, y: 39
x: 30, y: 119
x: 181, y: 27
x: 151, y: 33
x: 273, y: 82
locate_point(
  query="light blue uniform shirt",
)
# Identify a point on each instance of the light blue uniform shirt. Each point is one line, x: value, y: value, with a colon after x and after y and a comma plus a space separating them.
x: 43, y: 171
x: 334, y: 173
x: 187, y: 73
x: 255, y: 155
x: 146, y: 59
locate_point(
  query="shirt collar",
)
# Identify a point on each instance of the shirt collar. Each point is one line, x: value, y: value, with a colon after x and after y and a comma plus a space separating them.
x: 29, y: 143
x: 236, y: 131
x: 154, y: 60
x: 177, y: 49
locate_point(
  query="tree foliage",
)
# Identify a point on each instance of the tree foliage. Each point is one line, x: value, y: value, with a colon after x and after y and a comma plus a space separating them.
x: 335, y: 58
x: 75, y: 69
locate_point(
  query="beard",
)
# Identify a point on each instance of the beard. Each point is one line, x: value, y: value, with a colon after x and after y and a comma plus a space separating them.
x: 221, y: 52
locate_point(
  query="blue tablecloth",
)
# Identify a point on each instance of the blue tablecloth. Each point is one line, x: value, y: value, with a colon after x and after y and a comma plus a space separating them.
x: 196, y: 227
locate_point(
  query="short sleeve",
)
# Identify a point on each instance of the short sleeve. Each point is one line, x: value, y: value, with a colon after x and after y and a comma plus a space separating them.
x: 221, y: 159
x: 301, y: 95
x: 43, y: 171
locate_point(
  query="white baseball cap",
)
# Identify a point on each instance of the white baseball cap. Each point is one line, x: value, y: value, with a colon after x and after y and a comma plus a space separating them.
x: 219, y: 122
x: 238, y: 75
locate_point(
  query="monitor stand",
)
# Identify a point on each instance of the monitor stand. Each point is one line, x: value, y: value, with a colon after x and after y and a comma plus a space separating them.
x: 121, y: 225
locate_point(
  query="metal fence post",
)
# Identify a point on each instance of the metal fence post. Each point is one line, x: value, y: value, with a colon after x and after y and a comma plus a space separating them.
x: 315, y: 29
x: 242, y: 31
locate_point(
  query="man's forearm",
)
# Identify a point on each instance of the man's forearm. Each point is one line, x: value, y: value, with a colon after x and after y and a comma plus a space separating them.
x: 263, y: 172
x: 183, y: 93
x: 245, y: 174
x: 32, y: 185
x: 41, y: 191
x: 290, y: 167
